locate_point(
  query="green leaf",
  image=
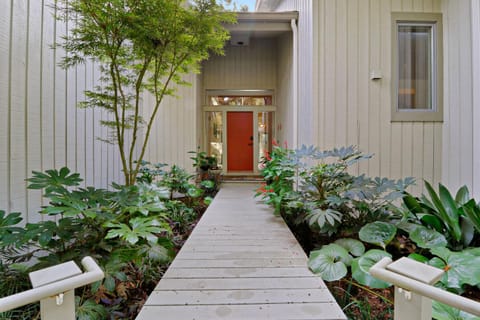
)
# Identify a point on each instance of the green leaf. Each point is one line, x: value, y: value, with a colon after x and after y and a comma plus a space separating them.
x: 428, y: 238
x: 412, y: 204
x: 442, y: 311
x: 11, y: 219
x: 468, y: 230
x: 432, y: 221
x: 378, y: 233
x: 109, y: 283
x: 329, y: 262
x: 54, y: 181
x: 89, y: 310
x: 323, y: 217
x: 208, y: 184
x: 472, y: 212
x: 353, y: 246
x: 208, y: 200
x: 157, y: 252
x: 194, y: 192
x: 418, y: 257
x: 462, y: 196
x: 361, y: 267
x: 462, y: 267
x: 447, y: 209
x: 473, y: 251
x: 45, y: 238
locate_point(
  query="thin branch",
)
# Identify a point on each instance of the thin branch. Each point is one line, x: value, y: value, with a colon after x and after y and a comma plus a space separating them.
x: 138, y: 86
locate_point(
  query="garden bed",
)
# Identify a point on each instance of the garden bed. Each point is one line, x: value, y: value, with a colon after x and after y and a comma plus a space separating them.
x: 346, y: 223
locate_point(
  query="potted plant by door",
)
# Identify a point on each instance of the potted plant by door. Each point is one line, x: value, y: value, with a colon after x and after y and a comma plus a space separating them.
x: 207, y: 168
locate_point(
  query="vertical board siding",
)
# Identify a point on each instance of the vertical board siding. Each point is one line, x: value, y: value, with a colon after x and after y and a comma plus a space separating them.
x: 459, y: 124
x: 475, y: 13
x: 284, y: 101
x: 175, y: 129
x: 33, y: 132
x: 351, y: 39
x: 306, y: 63
x: 17, y: 94
x: 40, y: 125
x: 306, y: 78
x: 246, y: 67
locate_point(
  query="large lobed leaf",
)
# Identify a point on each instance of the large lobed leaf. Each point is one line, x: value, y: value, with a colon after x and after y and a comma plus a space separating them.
x: 378, y: 233
x: 353, y: 246
x: 361, y: 267
x: 330, y: 262
x: 461, y: 267
x: 442, y: 311
x: 427, y: 238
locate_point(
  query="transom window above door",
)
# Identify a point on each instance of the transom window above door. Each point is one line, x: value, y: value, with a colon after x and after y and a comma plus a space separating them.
x: 239, y: 98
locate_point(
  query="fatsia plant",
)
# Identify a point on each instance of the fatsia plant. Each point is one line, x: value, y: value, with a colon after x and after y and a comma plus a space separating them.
x: 142, y: 46
x: 329, y: 197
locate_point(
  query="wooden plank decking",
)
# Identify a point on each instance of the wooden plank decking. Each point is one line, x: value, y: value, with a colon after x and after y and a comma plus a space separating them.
x: 240, y: 262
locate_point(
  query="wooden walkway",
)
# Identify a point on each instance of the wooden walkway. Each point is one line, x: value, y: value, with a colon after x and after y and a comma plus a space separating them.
x: 240, y: 262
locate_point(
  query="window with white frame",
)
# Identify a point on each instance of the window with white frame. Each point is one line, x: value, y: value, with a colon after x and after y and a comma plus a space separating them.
x: 417, y: 67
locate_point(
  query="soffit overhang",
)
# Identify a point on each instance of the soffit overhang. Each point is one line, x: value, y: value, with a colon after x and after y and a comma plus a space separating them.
x: 261, y: 24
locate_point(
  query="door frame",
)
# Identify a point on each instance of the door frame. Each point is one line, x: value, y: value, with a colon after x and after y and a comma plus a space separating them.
x: 224, y: 109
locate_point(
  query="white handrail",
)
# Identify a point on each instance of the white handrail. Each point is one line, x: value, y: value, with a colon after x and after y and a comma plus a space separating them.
x: 93, y: 273
x: 379, y: 271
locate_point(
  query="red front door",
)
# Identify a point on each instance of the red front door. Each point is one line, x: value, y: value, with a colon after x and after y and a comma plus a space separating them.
x: 240, y: 141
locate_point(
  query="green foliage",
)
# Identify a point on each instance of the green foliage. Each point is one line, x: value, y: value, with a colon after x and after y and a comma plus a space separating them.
x: 361, y: 267
x: 54, y: 181
x: 445, y: 214
x: 442, y: 311
x: 335, y: 203
x: 14, y: 279
x: 143, y: 46
x: 330, y: 262
x: 461, y: 267
x: 89, y: 310
x: 202, y: 161
x: 180, y: 215
x: 124, y: 230
x: 353, y: 246
x: 378, y: 233
x: 427, y: 238
x: 278, y: 172
x: 178, y: 181
x: 328, y: 198
x: 149, y: 172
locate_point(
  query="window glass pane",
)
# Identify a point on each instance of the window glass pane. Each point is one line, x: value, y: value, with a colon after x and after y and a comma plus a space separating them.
x: 415, y: 66
x: 265, y: 134
x: 214, y: 134
x: 240, y: 100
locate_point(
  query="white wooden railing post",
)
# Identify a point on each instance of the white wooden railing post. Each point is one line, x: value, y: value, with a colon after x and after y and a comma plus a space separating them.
x: 54, y: 288
x: 62, y: 305
x: 414, y: 289
x: 410, y: 305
